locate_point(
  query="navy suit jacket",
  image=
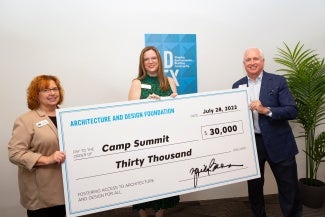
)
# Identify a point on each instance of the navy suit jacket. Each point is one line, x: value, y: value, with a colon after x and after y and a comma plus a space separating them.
x: 277, y: 134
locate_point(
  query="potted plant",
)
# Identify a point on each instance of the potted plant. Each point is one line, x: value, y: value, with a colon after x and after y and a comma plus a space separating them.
x: 305, y: 73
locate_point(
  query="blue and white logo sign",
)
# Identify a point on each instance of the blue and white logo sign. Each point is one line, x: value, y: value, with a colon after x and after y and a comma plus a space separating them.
x: 179, y: 55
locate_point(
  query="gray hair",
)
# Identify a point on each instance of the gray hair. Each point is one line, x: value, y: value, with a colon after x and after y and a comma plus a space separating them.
x: 251, y: 48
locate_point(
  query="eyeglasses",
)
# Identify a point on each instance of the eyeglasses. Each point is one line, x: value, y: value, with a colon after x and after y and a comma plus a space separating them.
x: 152, y: 59
x: 54, y: 89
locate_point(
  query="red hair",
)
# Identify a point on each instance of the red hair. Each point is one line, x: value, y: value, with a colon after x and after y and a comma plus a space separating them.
x: 36, y: 85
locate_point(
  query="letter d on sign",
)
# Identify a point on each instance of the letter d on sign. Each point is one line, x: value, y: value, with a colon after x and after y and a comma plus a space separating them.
x: 168, y: 59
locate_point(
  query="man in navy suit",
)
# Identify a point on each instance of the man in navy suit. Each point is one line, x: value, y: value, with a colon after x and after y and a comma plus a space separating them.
x: 272, y: 105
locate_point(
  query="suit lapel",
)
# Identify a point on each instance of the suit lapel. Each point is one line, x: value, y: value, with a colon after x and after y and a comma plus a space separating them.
x: 265, y: 86
x: 50, y: 123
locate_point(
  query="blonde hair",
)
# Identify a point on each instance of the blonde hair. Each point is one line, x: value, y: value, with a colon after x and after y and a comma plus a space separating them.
x: 163, y: 80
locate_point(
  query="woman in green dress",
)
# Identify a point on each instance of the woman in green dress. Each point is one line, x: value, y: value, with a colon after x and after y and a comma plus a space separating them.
x: 152, y: 83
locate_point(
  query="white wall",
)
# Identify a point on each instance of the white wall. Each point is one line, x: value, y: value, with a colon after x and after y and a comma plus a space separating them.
x: 93, y: 47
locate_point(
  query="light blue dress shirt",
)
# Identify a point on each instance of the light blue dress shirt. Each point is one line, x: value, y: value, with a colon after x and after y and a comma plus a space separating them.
x: 254, y: 88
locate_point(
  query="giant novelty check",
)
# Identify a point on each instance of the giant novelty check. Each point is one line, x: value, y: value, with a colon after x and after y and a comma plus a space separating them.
x: 125, y: 153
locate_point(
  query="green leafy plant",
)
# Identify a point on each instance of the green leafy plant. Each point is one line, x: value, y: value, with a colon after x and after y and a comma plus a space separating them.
x: 305, y: 73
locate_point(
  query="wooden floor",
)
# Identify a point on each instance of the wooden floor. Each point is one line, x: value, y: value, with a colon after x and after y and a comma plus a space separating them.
x: 230, y: 207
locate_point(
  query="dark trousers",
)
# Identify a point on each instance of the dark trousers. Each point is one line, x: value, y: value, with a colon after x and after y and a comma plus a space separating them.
x: 55, y: 211
x: 285, y: 173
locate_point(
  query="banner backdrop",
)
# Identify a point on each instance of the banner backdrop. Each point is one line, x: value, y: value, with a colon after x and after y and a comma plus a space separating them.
x: 179, y: 55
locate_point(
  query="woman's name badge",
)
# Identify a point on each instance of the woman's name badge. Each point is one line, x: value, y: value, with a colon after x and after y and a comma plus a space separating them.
x: 146, y: 86
x: 242, y: 86
x: 42, y: 123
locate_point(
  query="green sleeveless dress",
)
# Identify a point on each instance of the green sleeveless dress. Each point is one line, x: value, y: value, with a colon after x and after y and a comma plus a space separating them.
x: 169, y: 202
x: 155, y: 88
